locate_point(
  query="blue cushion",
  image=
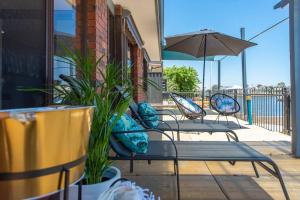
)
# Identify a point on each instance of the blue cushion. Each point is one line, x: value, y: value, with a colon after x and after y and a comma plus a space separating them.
x: 136, y: 142
x: 149, y: 115
x: 189, y: 104
x: 225, y: 105
x: 196, y: 107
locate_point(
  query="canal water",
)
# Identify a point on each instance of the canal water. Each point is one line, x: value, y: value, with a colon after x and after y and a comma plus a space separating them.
x: 265, y: 105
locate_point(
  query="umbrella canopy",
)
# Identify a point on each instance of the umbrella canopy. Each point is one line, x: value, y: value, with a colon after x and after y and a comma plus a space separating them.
x: 173, y: 55
x: 216, y: 44
x: 206, y: 43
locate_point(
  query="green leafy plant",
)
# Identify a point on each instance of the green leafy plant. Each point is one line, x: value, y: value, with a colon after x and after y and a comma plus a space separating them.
x: 181, y: 79
x: 85, y: 89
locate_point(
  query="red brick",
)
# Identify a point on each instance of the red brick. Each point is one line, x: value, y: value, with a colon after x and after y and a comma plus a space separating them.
x: 97, y: 29
x: 137, y: 74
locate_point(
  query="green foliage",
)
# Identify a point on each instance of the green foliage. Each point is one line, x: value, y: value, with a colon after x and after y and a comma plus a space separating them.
x: 86, y: 90
x: 181, y: 79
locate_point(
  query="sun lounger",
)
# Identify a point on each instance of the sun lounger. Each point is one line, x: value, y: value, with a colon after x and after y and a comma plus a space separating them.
x: 196, y: 151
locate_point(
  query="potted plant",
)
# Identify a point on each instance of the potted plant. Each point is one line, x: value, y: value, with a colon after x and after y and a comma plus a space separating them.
x: 86, y: 89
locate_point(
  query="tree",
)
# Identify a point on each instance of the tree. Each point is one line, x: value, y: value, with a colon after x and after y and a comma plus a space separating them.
x: 281, y: 84
x: 181, y: 78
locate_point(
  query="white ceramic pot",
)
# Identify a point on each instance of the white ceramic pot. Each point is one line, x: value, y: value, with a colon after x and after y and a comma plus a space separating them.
x: 93, y: 191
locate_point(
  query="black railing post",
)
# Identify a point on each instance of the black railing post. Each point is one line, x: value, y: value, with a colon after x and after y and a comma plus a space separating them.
x: 287, y: 112
x: 235, y: 98
x: 209, y: 95
x: 245, y: 114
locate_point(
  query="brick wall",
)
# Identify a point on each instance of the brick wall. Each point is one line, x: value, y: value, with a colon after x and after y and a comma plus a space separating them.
x: 97, y: 29
x: 137, y: 74
x: 97, y: 41
x: 79, y: 25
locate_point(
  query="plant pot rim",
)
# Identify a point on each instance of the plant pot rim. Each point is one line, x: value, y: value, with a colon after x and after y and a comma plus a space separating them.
x: 117, y: 172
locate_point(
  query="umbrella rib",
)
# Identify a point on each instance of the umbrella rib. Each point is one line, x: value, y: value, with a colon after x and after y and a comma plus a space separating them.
x: 224, y: 44
x: 200, y: 46
x: 180, y: 41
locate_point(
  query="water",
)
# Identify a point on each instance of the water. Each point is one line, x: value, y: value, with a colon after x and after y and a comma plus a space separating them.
x: 265, y: 106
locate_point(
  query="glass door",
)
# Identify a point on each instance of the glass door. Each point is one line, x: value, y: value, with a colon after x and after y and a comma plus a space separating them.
x: 22, y: 52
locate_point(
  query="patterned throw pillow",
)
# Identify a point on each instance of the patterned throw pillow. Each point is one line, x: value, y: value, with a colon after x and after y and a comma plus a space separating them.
x: 136, y: 142
x: 225, y: 105
x: 149, y: 115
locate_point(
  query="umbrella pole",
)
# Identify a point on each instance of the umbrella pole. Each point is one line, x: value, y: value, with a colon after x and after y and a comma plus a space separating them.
x: 203, y: 78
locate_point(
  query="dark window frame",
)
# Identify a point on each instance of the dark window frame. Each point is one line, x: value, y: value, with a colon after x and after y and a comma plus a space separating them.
x: 49, y: 49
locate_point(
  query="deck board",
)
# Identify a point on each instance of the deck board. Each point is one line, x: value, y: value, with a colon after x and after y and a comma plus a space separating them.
x: 197, y: 182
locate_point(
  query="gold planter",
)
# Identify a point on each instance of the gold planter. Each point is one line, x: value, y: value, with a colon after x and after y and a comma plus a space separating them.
x: 37, y: 139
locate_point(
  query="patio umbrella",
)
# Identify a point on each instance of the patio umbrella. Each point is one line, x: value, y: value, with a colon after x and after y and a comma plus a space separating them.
x: 206, y: 43
x: 173, y: 55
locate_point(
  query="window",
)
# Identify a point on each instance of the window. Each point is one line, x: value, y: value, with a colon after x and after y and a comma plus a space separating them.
x: 22, y: 52
x: 64, y: 37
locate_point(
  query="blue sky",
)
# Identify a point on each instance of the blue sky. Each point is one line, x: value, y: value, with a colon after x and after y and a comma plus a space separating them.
x: 267, y: 63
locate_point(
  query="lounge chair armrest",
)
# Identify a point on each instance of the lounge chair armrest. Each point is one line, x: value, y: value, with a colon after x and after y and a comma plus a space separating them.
x: 153, y: 131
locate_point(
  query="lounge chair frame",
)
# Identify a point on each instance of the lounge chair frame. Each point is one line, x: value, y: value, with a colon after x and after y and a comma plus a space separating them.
x: 135, y: 114
x: 211, y: 151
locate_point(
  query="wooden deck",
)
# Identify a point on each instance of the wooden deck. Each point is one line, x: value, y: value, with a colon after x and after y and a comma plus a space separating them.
x: 199, y: 179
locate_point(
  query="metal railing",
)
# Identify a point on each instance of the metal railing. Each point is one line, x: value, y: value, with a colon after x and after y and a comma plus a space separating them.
x: 270, y: 105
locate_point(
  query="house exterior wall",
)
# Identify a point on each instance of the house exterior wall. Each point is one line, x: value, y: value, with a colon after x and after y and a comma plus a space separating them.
x: 124, y: 38
x: 137, y: 75
x: 97, y: 29
x: 94, y: 31
x: 97, y: 40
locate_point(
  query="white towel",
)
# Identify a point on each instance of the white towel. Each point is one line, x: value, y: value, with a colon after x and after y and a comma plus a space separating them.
x: 126, y: 191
